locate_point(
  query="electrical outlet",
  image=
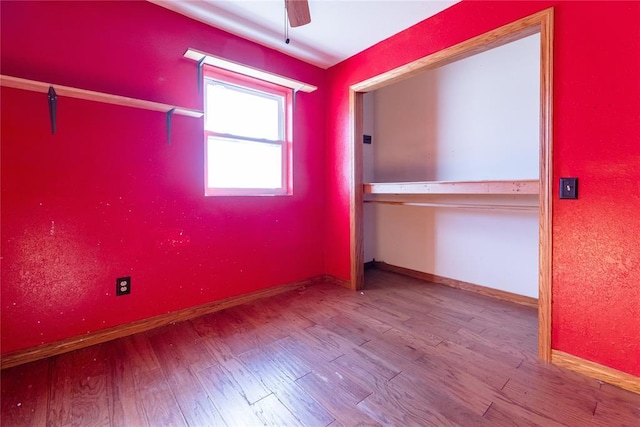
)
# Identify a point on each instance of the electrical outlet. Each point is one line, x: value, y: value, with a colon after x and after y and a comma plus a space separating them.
x: 123, y: 286
x: 568, y: 188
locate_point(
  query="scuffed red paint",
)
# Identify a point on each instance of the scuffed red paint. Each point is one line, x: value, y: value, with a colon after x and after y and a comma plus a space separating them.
x: 172, y: 238
x: 107, y: 197
x: 596, y: 254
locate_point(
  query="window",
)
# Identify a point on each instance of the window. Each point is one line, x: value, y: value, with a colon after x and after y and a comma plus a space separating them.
x: 247, y: 135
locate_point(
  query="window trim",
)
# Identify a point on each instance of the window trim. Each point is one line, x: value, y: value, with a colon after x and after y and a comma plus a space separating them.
x: 252, y: 84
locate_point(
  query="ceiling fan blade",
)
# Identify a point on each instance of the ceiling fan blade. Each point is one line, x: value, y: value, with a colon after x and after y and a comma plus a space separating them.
x: 298, y: 12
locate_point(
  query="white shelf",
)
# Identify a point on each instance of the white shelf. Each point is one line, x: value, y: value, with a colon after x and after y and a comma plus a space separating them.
x: 235, y: 67
x: 523, y: 186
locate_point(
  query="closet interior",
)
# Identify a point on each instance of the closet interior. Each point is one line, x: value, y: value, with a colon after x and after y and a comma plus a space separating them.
x: 451, y: 165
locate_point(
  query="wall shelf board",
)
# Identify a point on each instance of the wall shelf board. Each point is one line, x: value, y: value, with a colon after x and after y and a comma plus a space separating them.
x: 458, y: 205
x: 524, y: 186
x: 72, y: 92
x: 236, y: 67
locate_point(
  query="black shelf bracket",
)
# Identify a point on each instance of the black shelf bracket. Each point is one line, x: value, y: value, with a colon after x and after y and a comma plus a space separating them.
x: 200, y: 65
x: 169, y: 119
x: 52, y: 97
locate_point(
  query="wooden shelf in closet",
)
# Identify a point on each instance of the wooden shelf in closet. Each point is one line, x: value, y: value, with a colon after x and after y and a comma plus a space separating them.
x: 522, y: 186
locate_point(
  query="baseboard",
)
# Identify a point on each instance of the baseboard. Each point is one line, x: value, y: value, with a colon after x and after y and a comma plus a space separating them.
x: 471, y: 287
x: 369, y: 265
x: 75, y: 343
x: 597, y: 371
x: 334, y: 280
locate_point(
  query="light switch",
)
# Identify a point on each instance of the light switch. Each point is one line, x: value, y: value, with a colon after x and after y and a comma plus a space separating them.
x: 568, y: 188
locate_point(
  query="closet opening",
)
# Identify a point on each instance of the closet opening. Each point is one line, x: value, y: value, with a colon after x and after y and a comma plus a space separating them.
x: 466, y: 161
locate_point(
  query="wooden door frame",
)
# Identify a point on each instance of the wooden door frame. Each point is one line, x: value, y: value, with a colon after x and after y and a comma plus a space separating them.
x: 542, y: 23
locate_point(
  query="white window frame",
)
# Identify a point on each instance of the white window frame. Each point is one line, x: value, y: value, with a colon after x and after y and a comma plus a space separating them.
x: 259, y: 88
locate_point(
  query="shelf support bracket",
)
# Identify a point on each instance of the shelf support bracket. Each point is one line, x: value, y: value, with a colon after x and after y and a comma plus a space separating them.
x: 293, y: 102
x: 169, y: 119
x: 200, y: 65
x: 52, y: 98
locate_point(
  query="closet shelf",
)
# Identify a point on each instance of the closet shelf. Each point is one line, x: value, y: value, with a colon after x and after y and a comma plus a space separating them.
x: 522, y: 186
x: 457, y: 205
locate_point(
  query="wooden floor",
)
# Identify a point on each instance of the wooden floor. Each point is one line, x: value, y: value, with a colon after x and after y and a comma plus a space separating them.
x: 401, y: 353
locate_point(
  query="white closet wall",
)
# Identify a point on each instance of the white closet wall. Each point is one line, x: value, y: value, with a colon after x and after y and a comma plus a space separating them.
x: 475, y: 119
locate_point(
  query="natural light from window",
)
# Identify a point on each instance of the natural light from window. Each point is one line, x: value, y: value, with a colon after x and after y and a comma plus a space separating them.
x: 243, y: 164
x: 246, y: 146
x: 245, y: 113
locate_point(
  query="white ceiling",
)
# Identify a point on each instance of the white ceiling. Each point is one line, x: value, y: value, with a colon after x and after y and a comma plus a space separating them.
x: 338, y: 29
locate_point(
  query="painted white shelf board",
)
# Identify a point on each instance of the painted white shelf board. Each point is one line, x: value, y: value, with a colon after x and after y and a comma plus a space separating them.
x: 523, y: 186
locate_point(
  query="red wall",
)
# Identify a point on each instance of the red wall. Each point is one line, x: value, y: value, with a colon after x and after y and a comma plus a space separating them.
x: 596, y: 254
x: 107, y: 197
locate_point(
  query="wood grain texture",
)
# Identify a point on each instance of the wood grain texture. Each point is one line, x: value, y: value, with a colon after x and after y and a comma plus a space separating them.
x: 89, y: 389
x: 541, y: 22
x: 228, y: 397
x: 193, y: 401
x: 436, y: 356
x: 26, y: 409
x: 356, y: 113
x: 523, y: 186
x: 476, y: 206
x: 595, y: 370
x: 157, y: 399
x: 546, y: 181
x: 126, y: 403
x: 459, y: 284
x: 278, y: 377
x: 569, y: 411
x: 298, y: 12
x: 89, y: 95
x: 75, y: 343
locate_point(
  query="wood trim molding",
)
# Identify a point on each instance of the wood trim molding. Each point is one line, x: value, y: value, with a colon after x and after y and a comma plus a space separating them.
x: 597, y: 371
x: 459, y: 284
x: 540, y: 22
x: 500, y: 36
x: 75, y: 343
x: 546, y: 190
x: 356, y: 113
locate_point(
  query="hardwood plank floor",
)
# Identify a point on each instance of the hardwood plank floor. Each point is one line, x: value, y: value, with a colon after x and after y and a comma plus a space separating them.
x: 401, y: 353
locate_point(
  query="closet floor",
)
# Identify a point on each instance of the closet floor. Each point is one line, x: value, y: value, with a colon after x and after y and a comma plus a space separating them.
x: 403, y: 352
